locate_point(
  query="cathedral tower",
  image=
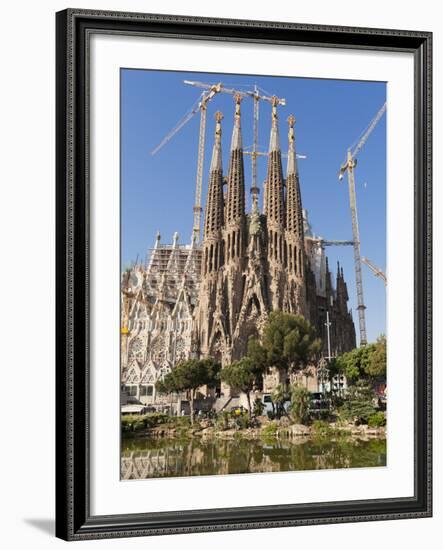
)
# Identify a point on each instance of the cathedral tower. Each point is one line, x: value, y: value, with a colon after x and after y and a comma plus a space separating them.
x: 210, y: 305
x: 235, y: 235
x: 212, y: 243
x: 294, y: 250
x: 275, y: 215
x: 235, y: 199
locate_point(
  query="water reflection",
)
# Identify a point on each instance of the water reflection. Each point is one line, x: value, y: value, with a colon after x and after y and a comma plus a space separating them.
x: 145, y: 458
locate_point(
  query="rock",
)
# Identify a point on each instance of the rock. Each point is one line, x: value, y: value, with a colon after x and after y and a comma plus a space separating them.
x: 284, y: 422
x: 300, y: 429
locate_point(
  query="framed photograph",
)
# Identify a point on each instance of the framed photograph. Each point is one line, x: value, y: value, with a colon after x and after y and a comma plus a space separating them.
x: 243, y: 274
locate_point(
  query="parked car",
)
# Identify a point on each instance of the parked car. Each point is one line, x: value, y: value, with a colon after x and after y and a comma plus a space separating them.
x: 319, y: 404
x: 269, y: 407
x: 135, y: 409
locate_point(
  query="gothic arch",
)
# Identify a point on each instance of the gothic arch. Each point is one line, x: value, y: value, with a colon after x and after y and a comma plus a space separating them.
x: 253, y: 304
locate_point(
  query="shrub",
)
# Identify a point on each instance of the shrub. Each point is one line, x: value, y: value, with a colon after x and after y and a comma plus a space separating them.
x: 377, y: 420
x: 182, y: 421
x: 270, y: 430
x: 132, y: 423
x: 320, y: 427
x: 139, y: 424
x: 222, y: 421
x: 242, y: 420
x: 258, y: 407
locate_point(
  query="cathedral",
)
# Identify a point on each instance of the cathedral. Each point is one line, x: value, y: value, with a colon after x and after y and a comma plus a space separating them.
x: 208, y: 299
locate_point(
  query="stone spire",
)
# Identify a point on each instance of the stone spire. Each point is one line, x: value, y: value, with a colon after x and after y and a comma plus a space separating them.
x: 277, y: 253
x: 214, y: 201
x: 235, y: 195
x: 294, y: 238
x: 341, y: 290
x: 294, y: 211
x: 274, y: 206
x: 214, y: 206
x: 235, y: 201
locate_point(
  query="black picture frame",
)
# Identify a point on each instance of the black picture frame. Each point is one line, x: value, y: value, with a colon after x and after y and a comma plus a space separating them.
x: 74, y: 28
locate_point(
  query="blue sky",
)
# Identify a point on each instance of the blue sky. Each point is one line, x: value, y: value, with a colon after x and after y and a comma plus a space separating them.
x: 157, y: 192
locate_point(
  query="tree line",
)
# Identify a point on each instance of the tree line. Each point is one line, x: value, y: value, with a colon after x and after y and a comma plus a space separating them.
x: 289, y: 343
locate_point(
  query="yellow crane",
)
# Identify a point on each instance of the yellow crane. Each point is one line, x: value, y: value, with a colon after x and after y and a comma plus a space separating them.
x: 349, y: 167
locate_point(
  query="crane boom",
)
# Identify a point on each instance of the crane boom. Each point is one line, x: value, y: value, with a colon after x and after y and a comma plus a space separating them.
x: 176, y: 128
x: 327, y: 242
x: 375, y: 270
x: 368, y: 132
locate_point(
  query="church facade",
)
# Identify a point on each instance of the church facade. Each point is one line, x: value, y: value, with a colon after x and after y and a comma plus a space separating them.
x: 208, y: 299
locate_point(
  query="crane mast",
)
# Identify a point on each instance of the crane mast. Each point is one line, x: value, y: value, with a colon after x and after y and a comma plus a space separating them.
x: 357, y: 260
x: 349, y: 166
x: 199, y: 179
x: 254, y: 189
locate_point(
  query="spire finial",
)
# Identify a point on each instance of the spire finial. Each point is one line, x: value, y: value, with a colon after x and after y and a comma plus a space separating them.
x: 274, y: 102
x: 236, y: 142
x: 237, y: 99
x: 292, y: 162
x: 274, y: 144
x: 216, y: 162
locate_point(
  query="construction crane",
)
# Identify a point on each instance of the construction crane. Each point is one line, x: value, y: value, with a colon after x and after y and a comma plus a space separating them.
x: 201, y: 105
x: 257, y: 96
x: 319, y: 241
x: 375, y: 270
x: 349, y: 166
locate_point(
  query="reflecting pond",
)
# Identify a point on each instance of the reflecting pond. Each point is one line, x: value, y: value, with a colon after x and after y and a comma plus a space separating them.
x: 160, y: 457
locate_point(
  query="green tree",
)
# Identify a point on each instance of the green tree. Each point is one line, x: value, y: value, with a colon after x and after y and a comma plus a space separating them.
x: 299, y: 404
x: 376, y: 369
x: 257, y: 354
x: 289, y: 342
x: 359, y: 406
x: 279, y: 395
x: 188, y: 376
x: 243, y: 375
x: 368, y: 363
